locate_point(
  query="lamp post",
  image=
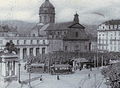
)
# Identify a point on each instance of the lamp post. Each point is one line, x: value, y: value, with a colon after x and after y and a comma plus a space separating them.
x: 29, y: 77
x: 19, y: 73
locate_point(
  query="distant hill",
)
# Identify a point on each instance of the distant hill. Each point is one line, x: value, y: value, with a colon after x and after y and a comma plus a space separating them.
x: 25, y: 27
x: 22, y: 26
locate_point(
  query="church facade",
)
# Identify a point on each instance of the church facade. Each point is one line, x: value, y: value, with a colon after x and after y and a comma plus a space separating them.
x: 66, y: 36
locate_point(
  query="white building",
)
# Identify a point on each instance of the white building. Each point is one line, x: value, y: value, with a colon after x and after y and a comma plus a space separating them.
x: 109, y: 36
x: 27, y: 45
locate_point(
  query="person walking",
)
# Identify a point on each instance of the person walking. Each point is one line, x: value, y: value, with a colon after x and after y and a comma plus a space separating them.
x: 58, y: 78
x: 41, y: 78
x: 89, y: 75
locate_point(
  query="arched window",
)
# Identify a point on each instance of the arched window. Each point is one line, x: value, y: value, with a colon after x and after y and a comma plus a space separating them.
x: 76, y: 34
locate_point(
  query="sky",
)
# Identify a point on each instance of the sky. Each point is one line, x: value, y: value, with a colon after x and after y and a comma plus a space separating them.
x: 90, y: 11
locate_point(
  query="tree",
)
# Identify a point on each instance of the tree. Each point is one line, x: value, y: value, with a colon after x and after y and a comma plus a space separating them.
x: 10, y: 47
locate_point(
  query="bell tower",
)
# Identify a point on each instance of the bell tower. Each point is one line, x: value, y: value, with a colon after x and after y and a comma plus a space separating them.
x: 47, y: 13
x: 76, y: 18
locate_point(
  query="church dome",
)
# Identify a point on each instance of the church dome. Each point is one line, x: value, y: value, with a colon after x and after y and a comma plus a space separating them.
x: 47, y: 13
x: 47, y: 4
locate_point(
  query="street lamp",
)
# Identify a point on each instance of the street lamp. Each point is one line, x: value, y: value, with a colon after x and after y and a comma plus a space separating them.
x: 19, y: 73
x: 29, y: 76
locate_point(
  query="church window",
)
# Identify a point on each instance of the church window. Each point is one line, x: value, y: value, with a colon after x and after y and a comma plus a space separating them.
x: 76, y: 34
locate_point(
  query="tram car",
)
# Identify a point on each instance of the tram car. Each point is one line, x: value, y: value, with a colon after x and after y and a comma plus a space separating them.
x: 61, y: 69
x: 36, y: 68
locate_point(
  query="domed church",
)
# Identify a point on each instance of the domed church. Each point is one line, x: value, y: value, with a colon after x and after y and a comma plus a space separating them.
x: 66, y: 36
x: 47, y: 13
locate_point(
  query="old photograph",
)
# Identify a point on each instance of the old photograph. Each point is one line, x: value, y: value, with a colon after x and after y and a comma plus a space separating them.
x: 59, y: 44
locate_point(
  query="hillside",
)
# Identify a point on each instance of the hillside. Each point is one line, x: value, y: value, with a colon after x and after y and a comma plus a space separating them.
x: 22, y: 26
x: 25, y: 27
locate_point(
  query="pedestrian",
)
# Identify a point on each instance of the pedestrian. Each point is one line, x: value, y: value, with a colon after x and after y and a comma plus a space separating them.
x: 41, y: 78
x: 58, y: 78
x: 25, y: 67
x: 89, y: 75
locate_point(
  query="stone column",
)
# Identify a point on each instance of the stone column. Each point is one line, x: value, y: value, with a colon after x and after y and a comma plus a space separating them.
x: 21, y: 53
x: 14, y: 67
x: 3, y: 69
x: 34, y: 51
x: 28, y: 51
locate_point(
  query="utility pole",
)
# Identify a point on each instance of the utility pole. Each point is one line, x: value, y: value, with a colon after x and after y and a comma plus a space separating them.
x: 95, y: 80
x: 94, y: 62
x: 19, y: 73
x: 102, y: 60
x: 30, y: 77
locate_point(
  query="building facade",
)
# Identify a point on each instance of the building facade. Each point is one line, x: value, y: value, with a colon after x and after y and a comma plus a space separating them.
x: 109, y: 36
x: 27, y: 45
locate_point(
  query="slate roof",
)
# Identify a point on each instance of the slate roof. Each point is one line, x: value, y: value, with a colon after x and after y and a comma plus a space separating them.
x: 112, y: 22
x: 47, y: 4
x: 63, y: 26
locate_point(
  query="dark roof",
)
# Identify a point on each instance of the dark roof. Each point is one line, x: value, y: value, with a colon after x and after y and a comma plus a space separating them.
x: 77, y: 25
x: 63, y: 26
x: 47, y: 4
x: 112, y: 22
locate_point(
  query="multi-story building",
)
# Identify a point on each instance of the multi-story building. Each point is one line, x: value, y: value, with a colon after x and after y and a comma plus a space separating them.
x: 109, y: 36
x: 27, y: 45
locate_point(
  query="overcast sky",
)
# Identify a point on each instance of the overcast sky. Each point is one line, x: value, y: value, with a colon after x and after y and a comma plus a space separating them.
x: 90, y: 11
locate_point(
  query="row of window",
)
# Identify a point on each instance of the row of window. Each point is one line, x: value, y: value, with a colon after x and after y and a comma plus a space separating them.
x: 24, y: 42
x: 45, y: 19
x: 112, y: 42
x: 109, y: 27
